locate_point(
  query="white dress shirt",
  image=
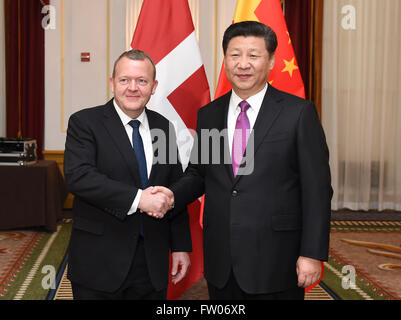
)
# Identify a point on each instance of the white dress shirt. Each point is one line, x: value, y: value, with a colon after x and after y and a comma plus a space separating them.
x: 144, y: 131
x: 234, y: 110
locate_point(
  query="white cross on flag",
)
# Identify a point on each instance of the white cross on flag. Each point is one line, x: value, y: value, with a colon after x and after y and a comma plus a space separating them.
x: 166, y: 32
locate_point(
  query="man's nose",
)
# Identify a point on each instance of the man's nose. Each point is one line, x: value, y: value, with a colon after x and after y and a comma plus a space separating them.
x: 243, y: 62
x: 133, y: 85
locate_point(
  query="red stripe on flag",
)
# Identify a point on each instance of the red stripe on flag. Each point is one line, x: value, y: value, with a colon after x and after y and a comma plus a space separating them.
x: 186, y: 100
x: 162, y: 27
x: 223, y: 86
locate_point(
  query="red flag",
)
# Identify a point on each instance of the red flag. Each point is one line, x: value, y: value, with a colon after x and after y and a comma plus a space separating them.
x: 285, y: 75
x: 166, y: 32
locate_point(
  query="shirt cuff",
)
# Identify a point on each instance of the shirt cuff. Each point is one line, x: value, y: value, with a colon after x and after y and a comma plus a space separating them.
x: 135, y: 204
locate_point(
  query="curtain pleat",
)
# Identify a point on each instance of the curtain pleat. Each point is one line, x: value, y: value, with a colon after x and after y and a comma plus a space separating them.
x: 361, y: 102
x: 25, y: 69
x: 305, y: 20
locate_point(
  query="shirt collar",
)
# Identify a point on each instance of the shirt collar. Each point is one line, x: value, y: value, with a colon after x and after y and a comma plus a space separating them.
x: 125, y: 119
x: 254, y: 101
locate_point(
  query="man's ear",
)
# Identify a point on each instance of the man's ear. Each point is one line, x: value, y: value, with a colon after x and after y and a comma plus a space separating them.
x: 155, y: 86
x: 111, y: 82
x: 272, y: 60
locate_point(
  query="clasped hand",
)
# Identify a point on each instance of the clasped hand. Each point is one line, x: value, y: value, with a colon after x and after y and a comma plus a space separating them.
x: 156, y: 201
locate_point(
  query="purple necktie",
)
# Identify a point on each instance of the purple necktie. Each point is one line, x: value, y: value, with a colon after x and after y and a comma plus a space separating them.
x: 241, y: 135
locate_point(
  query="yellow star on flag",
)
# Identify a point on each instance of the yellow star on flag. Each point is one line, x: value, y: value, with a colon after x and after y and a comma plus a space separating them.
x: 290, y: 66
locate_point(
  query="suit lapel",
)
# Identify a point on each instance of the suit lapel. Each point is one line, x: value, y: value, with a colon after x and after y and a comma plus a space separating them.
x: 221, y: 110
x: 268, y: 113
x: 155, y: 123
x: 119, y: 136
x: 270, y: 110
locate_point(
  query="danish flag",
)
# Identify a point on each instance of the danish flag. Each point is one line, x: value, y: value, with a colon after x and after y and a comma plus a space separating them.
x: 166, y: 32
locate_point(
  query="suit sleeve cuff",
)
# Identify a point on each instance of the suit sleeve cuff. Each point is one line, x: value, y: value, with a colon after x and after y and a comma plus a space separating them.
x: 135, y: 204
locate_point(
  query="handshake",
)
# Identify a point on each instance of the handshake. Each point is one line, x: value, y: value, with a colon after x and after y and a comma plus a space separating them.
x: 156, y: 201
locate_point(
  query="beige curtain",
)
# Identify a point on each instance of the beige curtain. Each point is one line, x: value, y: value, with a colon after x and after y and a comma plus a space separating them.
x: 361, y: 102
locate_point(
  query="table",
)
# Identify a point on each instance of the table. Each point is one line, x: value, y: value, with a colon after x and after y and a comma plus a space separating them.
x: 31, y: 196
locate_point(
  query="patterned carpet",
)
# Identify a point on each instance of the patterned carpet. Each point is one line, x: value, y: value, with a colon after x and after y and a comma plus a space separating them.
x: 371, y: 282
x: 16, y: 248
x: 29, y: 260
x: 369, y: 249
x: 372, y: 250
x: 197, y: 292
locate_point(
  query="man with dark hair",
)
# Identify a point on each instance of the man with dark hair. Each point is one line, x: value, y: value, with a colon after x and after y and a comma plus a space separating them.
x: 251, y: 29
x: 116, y: 251
x: 266, y: 215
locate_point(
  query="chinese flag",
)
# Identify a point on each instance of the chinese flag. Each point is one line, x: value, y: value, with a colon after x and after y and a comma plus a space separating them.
x: 285, y: 76
x: 166, y: 32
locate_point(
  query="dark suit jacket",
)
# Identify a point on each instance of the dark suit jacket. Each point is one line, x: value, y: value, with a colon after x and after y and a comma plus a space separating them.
x: 260, y: 223
x: 101, y: 171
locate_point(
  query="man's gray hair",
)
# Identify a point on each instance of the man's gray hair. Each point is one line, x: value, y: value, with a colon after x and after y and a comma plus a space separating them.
x: 135, y: 54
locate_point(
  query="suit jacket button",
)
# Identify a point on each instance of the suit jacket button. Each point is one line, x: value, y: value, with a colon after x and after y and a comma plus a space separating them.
x: 234, y: 193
